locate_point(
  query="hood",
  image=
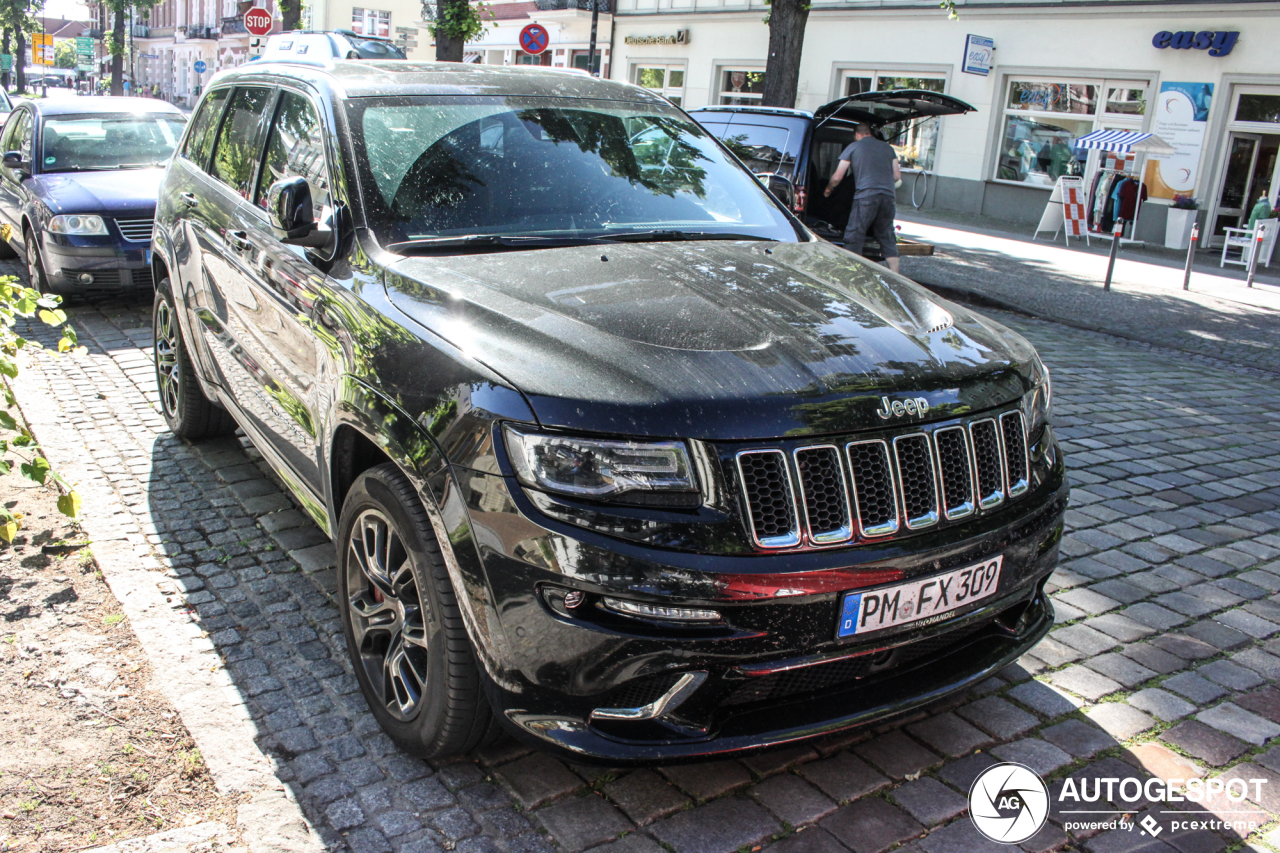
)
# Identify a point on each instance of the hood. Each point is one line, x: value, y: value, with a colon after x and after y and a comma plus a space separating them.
x: 880, y: 108
x: 712, y: 339
x: 125, y: 192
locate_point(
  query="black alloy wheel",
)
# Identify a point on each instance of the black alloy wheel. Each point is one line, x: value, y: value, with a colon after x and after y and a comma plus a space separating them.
x: 404, y: 630
x: 186, y: 409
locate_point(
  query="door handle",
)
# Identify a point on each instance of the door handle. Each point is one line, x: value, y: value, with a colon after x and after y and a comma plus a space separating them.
x: 189, y: 198
x: 239, y: 240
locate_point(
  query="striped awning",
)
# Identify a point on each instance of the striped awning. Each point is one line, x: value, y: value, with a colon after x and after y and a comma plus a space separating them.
x: 1125, y: 142
x: 471, y: 57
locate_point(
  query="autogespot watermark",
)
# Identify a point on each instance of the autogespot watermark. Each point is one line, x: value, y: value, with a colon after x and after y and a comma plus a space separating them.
x: 1009, y: 803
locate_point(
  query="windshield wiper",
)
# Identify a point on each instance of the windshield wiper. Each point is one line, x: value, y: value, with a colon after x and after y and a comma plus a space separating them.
x: 486, y: 241
x: 666, y: 235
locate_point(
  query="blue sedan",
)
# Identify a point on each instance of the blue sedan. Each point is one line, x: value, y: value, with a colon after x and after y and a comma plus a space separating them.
x: 78, y: 189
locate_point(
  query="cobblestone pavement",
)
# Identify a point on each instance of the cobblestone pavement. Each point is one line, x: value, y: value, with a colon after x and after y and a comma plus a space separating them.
x: 1164, y: 661
x: 1218, y: 317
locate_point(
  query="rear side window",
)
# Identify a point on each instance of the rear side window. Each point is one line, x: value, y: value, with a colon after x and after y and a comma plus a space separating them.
x: 200, y: 139
x: 236, y: 152
x: 295, y: 146
x: 763, y: 148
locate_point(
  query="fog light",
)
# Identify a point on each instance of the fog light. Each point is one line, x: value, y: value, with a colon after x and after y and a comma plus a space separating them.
x: 659, y: 612
x: 85, y: 278
x: 573, y: 598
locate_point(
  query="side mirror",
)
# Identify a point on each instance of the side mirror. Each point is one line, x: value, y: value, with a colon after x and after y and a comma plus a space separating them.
x: 292, y: 215
x: 781, y: 187
x: 13, y: 160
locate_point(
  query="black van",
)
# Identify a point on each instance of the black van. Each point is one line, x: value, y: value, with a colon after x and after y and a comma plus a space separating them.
x: 794, y: 151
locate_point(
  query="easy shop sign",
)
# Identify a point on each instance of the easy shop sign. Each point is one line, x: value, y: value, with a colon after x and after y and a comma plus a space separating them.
x: 978, y: 51
x: 1217, y: 43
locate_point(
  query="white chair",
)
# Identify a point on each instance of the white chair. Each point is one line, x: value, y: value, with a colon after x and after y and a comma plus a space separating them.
x: 1244, y: 240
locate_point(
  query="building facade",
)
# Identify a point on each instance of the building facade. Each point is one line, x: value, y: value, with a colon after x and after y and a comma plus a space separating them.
x: 1204, y: 74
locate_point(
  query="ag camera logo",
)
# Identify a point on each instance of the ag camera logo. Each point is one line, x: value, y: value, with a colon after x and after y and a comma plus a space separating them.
x: 1008, y: 803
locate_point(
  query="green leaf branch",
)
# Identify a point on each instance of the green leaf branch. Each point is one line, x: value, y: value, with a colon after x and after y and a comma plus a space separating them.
x: 18, y: 302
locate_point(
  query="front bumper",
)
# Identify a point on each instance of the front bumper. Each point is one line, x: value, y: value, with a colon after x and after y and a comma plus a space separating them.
x: 773, y: 672
x: 112, y: 263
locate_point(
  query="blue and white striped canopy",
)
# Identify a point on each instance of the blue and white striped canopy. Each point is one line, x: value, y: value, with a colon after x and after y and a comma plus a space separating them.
x: 1124, y: 142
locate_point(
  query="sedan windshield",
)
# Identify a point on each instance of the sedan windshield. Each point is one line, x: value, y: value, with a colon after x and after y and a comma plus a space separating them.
x: 106, y: 141
x: 450, y: 167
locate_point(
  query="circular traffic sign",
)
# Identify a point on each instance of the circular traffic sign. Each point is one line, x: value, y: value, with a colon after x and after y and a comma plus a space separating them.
x: 257, y: 22
x: 534, y: 39
x: 200, y: 66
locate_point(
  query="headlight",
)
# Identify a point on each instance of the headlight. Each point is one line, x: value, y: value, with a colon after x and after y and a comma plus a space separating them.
x: 638, y: 472
x: 1037, y: 404
x: 77, y: 224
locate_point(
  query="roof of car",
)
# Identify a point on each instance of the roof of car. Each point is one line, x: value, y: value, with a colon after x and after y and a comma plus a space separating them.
x: 83, y: 106
x: 371, y: 78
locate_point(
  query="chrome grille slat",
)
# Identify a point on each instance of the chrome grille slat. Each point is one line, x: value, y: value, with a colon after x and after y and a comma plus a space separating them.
x: 873, y: 489
x: 955, y: 472
x: 824, y: 494
x: 917, y: 482
x: 1014, y: 437
x: 769, y: 499
x: 136, y: 230
x: 988, y: 463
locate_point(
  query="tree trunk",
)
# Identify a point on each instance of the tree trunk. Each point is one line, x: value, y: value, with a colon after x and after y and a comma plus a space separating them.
x: 117, y: 54
x: 5, y: 76
x: 290, y: 14
x: 20, y: 60
x: 787, y: 19
x: 448, y: 48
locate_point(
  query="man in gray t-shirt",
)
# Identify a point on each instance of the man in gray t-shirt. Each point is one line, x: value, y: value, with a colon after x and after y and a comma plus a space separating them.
x: 876, y: 173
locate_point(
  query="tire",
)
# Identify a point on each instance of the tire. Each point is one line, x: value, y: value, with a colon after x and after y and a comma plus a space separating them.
x: 187, y: 411
x: 405, y: 633
x: 35, y: 264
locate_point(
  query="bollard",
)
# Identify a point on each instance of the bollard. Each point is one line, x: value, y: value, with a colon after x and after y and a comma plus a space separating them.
x: 1191, y: 254
x: 1253, y: 256
x: 1115, y: 246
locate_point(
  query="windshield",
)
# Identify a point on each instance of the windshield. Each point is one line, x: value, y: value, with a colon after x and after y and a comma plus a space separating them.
x: 520, y: 167
x: 105, y: 141
x: 373, y: 49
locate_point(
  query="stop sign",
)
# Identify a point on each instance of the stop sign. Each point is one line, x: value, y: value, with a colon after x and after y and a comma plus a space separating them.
x: 257, y: 22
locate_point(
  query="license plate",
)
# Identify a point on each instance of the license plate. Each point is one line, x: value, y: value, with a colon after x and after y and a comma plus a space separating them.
x: 924, y: 598
x: 148, y: 257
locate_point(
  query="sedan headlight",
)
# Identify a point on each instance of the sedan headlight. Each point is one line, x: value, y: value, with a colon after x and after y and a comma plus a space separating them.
x: 638, y: 472
x: 77, y: 224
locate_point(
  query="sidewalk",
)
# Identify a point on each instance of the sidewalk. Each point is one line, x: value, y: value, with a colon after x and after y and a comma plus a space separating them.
x: 1217, y: 317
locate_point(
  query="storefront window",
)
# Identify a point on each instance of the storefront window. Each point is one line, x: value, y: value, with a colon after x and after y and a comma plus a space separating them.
x: 915, y: 141
x: 580, y: 61
x: 1043, y: 118
x: 371, y: 22
x: 523, y: 58
x: 741, y: 87
x: 1263, y: 108
x: 666, y: 80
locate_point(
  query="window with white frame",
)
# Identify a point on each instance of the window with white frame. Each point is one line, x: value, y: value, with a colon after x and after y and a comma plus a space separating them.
x: 1044, y: 116
x: 916, y: 141
x: 371, y: 22
x: 666, y: 80
x: 740, y: 86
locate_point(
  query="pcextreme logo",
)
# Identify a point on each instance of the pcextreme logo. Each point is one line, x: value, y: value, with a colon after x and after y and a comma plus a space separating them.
x: 1009, y: 803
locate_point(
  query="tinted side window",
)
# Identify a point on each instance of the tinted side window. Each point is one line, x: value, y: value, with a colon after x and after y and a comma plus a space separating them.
x: 295, y: 146
x: 236, y: 151
x: 763, y: 148
x: 200, y: 139
x: 22, y: 137
x: 11, y: 130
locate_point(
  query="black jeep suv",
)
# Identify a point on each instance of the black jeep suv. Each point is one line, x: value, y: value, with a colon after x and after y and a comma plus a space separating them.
x: 615, y: 452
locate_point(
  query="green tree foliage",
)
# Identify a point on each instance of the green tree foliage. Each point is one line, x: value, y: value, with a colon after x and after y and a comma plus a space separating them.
x: 19, y: 18
x: 453, y: 23
x: 17, y: 302
x: 64, y: 53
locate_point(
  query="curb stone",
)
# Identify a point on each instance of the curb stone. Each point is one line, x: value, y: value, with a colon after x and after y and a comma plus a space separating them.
x: 196, y: 682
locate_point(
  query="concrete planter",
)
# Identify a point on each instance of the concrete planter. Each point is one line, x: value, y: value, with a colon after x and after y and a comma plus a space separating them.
x: 1177, y: 228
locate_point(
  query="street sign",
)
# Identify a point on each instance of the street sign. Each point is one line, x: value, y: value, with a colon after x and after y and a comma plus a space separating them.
x: 84, y: 45
x: 534, y: 39
x: 200, y: 67
x: 148, y: 56
x: 42, y: 49
x: 257, y: 22
x: 409, y: 31
x: 6, y: 61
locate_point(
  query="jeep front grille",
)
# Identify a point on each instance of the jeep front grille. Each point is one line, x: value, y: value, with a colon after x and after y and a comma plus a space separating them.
x: 829, y: 494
